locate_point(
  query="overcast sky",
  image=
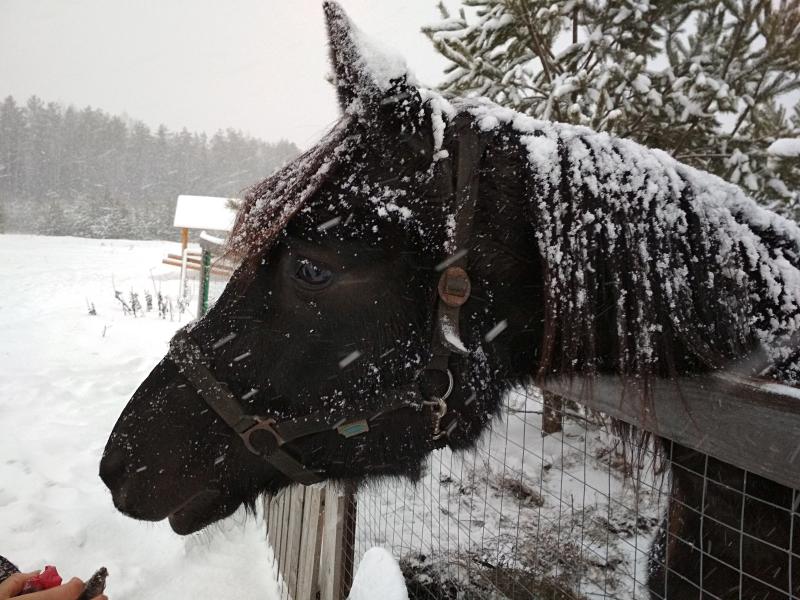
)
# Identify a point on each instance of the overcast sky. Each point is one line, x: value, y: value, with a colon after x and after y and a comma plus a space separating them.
x: 255, y: 65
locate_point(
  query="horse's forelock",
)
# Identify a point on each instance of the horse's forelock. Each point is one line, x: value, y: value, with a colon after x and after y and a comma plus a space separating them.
x: 269, y: 206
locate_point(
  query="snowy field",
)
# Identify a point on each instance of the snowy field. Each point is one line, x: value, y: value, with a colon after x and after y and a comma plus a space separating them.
x: 65, y: 375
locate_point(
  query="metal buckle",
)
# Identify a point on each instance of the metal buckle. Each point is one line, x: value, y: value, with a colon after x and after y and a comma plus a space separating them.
x: 441, y: 404
x: 261, y: 425
x: 437, y: 420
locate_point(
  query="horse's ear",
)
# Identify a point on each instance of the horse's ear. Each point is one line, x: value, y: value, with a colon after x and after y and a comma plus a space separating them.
x: 368, y: 79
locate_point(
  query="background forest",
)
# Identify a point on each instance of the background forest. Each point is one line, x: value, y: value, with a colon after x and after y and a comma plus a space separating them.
x: 84, y: 172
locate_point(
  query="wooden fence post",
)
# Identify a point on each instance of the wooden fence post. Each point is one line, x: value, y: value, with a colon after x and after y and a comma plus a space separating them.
x: 312, y: 534
x: 552, y: 412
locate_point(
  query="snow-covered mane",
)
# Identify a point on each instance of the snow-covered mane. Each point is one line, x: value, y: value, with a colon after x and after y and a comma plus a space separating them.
x: 664, y: 259
x: 678, y: 256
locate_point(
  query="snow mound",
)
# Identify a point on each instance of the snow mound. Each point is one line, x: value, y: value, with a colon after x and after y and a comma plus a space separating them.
x: 378, y: 578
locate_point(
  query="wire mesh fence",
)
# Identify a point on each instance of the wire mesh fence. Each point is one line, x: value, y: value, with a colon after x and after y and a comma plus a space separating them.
x: 566, y: 516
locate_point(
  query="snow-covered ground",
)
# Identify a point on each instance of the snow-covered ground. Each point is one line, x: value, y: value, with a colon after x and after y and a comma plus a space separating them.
x: 64, y: 378
x: 551, y: 506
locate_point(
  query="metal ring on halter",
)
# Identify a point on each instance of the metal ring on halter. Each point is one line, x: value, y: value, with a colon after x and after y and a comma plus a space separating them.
x: 446, y: 395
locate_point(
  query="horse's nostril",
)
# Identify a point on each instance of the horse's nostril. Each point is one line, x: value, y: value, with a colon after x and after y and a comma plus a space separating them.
x: 112, y: 467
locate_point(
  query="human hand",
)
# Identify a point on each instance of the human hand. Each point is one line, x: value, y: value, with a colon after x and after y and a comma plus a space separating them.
x: 12, y: 586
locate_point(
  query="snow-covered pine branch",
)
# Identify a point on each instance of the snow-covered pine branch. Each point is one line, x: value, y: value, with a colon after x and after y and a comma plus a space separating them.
x: 702, y: 81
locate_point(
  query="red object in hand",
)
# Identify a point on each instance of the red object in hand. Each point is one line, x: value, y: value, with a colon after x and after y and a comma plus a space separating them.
x: 49, y: 578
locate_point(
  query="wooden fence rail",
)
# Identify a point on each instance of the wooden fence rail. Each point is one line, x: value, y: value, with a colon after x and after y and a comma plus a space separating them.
x: 749, y: 423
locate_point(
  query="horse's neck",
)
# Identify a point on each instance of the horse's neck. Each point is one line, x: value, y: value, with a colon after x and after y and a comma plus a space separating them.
x: 507, y: 282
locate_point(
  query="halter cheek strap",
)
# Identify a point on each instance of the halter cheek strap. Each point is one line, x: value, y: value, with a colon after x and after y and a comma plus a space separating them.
x: 454, y: 286
x: 271, y: 439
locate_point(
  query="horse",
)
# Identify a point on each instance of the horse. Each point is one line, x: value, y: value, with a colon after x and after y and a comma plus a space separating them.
x: 426, y: 256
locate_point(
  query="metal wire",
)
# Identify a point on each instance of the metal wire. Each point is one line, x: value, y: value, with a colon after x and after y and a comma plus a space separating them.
x: 568, y: 518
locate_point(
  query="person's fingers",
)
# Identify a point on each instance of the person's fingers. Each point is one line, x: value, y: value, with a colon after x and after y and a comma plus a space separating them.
x: 13, y: 585
x: 67, y: 591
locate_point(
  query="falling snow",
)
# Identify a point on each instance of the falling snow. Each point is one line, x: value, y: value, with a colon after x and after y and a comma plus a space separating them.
x: 350, y: 358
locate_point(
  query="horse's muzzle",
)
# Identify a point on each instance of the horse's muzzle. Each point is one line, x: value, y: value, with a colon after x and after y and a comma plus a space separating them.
x: 114, y: 474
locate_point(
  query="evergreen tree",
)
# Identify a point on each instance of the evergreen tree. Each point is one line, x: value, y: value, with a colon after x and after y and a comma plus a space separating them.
x: 87, y: 173
x: 700, y: 79
x: 12, y: 133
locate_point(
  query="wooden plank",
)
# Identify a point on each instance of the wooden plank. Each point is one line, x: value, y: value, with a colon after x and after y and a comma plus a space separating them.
x: 294, y: 526
x: 330, y: 560
x: 269, y: 511
x: 745, y: 422
x: 348, y: 543
x: 276, y: 531
x: 552, y: 412
x: 196, y: 267
x: 265, y: 504
x: 274, y: 512
x: 269, y: 517
x: 283, y: 533
x: 310, y: 542
x: 190, y: 256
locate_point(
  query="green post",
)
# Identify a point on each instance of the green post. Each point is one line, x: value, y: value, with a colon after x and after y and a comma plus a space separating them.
x: 210, y: 245
x: 205, y: 280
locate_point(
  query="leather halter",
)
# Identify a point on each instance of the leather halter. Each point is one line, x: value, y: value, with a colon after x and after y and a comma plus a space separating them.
x: 263, y: 436
x: 269, y: 439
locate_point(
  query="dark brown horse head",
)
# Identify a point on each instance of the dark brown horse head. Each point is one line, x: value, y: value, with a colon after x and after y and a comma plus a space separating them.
x: 315, y: 361
x: 349, y: 343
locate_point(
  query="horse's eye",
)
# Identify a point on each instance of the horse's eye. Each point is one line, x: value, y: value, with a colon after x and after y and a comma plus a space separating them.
x: 312, y: 274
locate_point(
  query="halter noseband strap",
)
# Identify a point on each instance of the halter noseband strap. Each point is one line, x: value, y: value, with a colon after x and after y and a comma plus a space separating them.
x: 268, y: 438
x: 264, y: 436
